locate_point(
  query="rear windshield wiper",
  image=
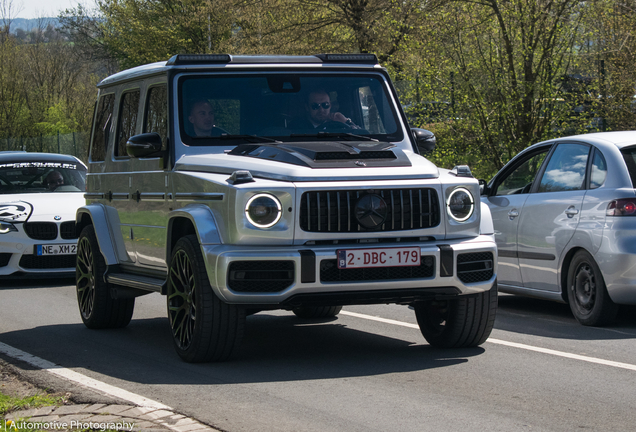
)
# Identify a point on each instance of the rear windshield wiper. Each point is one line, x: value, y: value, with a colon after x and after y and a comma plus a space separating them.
x: 335, y: 135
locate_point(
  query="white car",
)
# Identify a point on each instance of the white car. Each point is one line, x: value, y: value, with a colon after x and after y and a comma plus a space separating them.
x: 39, y: 195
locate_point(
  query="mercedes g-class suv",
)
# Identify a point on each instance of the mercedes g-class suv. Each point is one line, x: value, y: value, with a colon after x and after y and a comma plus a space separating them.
x: 237, y: 184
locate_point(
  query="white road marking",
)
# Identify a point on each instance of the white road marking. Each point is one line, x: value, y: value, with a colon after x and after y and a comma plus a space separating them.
x: 506, y: 343
x: 80, y: 379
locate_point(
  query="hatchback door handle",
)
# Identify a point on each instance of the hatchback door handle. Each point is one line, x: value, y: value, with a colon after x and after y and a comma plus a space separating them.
x: 513, y: 214
x: 571, y: 211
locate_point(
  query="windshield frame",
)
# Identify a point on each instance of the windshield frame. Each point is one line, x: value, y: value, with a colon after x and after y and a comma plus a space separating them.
x: 30, y: 177
x: 388, y: 103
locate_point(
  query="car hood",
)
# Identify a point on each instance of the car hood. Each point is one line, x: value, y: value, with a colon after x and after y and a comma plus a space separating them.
x: 40, y: 206
x: 315, y: 161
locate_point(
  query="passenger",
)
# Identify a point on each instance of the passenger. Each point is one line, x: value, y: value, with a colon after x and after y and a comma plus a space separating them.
x: 53, y: 180
x: 202, y: 118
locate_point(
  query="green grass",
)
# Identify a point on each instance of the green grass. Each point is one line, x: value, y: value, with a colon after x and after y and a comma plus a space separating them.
x: 12, y: 403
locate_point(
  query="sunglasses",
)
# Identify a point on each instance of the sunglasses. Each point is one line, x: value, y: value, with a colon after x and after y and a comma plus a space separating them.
x: 324, y: 105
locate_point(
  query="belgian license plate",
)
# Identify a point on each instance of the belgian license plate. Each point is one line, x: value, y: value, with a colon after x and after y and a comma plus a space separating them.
x: 381, y: 257
x: 56, y: 249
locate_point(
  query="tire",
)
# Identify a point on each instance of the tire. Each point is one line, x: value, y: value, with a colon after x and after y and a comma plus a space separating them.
x: 203, y: 327
x: 97, y: 308
x: 312, y: 312
x: 589, y: 301
x: 458, y: 323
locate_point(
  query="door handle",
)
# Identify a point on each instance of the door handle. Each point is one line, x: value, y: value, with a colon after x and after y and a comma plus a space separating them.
x: 513, y: 214
x: 571, y: 211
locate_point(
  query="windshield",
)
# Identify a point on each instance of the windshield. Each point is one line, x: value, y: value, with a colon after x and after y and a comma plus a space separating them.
x: 230, y: 109
x: 42, y: 177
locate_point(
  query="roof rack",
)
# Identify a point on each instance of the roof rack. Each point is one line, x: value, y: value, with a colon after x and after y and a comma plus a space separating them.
x: 202, y: 59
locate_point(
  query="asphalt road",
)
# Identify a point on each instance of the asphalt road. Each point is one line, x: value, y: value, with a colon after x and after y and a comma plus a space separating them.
x: 351, y: 373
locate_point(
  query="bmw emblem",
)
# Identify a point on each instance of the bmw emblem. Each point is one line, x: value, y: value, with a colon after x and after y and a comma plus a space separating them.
x: 371, y: 211
x: 57, y: 217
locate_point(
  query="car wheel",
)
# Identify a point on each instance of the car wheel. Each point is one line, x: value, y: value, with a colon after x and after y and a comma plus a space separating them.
x: 458, y: 323
x: 312, y: 312
x: 204, y: 328
x: 97, y: 308
x: 589, y: 301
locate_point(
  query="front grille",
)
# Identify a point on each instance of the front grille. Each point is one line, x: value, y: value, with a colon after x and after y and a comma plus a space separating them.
x: 335, y: 211
x: 475, y: 267
x: 355, y: 156
x: 47, y: 262
x: 4, y: 259
x: 67, y: 230
x: 329, y: 272
x: 260, y: 276
x: 41, y: 230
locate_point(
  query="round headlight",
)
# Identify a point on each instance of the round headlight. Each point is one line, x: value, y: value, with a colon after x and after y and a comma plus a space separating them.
x: 460, y: 204
x: 263, y: 210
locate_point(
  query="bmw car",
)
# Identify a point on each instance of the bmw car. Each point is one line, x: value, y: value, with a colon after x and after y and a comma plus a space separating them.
x: 564, y: 213
x: 39, y: 195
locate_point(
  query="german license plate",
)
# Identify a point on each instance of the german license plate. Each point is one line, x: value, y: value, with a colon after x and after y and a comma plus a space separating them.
x: 56, y: 249
x: 381, y: 257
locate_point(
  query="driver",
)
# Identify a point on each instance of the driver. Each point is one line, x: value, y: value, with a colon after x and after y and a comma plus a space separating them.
x: 53, y: 180
x: 318, y: 113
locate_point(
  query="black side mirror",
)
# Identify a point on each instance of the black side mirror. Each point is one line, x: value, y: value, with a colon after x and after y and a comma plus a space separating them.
x: 483, y: 187
x: 424, y: 139
x: 143, y: 145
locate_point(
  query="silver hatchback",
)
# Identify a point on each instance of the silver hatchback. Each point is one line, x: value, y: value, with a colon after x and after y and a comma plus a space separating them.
x: 564, y: 213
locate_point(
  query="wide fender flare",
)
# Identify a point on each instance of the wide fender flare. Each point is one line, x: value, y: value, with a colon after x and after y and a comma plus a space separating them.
x: 486, y: 226
x: 203, y: 221
x: 97, y: 215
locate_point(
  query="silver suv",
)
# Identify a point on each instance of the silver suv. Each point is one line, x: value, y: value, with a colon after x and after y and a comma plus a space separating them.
x: 236, y: 184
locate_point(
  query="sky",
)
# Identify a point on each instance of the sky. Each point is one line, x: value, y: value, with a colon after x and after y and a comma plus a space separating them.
x: 43, y: 8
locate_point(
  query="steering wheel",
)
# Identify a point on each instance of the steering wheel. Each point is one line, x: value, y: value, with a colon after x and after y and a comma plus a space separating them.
x: 332, y: 124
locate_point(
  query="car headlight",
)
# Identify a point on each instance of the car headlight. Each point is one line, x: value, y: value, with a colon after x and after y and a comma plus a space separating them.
x: 460, y: 204
x: 263, y: 210
x: 6, y: 227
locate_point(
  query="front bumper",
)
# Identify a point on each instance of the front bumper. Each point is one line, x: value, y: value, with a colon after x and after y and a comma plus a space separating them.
x: 18, y: 258
x: 448, y: 268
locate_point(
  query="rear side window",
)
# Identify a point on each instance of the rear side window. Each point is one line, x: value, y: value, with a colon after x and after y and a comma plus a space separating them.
x: 566, y: 169
x: 629, y: 154
x: 127, y: 121
x: 599, y: 170
x: 102, y: 127
x: 157, y: 113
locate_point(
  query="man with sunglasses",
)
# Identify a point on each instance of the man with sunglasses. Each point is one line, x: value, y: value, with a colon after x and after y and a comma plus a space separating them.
x: 319, y: 116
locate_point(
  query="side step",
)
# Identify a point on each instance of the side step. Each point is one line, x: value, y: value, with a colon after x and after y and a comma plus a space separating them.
x: 129, y: 285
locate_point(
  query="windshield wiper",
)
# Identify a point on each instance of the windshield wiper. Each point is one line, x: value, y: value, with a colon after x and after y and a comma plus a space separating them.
x: 334, y: 135
x: 226, y: 136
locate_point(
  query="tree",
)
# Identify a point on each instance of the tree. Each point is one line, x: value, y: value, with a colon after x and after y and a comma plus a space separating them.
x: 507, y: 58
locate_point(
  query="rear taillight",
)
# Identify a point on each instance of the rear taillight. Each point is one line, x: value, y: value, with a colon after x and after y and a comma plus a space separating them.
x: 622, y: 207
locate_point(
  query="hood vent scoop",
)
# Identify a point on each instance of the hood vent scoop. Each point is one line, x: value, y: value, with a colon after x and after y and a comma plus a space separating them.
x: 349, y: 156
x: 327, y: 154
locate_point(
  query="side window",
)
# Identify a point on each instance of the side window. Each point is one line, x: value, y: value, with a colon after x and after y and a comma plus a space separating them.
x: 599, y: 170
x: 566, y: 169
x: 371, y: 119
x: 520, y: 179
x: 127, y: 121
x: 102, y: 126
x: 157, y: 113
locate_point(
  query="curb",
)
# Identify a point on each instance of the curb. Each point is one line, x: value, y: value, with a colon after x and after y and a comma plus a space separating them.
x: 102, y: 417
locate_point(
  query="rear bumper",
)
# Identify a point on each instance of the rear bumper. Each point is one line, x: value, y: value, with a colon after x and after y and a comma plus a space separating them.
x: 302, y: 275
